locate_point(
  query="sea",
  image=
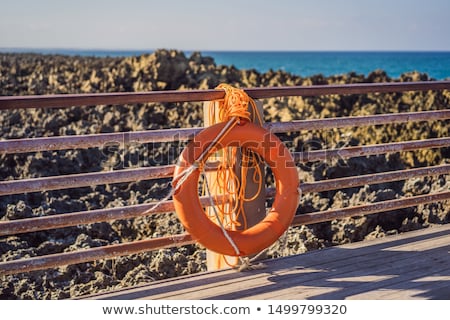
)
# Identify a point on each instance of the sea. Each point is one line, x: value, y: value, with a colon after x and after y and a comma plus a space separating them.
x: 304, y: 63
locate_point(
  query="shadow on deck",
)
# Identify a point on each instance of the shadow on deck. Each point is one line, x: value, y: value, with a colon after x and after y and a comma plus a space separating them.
x: 414, y: 265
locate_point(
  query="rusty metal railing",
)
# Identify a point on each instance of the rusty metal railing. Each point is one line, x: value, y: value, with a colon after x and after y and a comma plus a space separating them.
x: 96, y: 178
x: 102, y: 215
x: 183, y: 134
x: 69, y: 100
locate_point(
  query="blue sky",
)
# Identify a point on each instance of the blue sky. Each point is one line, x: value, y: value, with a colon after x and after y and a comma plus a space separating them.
x: 227, y: 24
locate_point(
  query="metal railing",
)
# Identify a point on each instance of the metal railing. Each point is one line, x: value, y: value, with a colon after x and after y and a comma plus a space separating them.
x: 26, y: 225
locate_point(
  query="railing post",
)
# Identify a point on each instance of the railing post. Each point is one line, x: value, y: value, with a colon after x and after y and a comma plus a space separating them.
x: 255, y: 209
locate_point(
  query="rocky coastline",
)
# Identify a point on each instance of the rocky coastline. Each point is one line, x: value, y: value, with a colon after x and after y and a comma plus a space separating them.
x: 30, y: 74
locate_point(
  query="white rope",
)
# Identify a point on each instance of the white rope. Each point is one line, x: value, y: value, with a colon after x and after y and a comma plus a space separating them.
x: 181, y: 178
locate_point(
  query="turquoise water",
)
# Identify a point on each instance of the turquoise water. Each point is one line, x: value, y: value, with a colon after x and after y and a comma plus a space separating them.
x: 435, y: 64
x: 305, y: 63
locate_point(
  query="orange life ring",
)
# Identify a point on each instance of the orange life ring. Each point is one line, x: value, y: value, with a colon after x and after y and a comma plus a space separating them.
x: 278, y: 219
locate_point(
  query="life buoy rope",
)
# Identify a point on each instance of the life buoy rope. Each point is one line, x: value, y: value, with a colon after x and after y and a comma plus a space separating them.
x: 236, y: 104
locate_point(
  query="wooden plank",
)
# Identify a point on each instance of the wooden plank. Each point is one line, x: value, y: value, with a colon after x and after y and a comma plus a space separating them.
x: 310, y: 269
x: 363, y: 270
x: 398, y: 275
x: 307, y: 275
x: 433, y: 285
x: 430, y: 290
x: 412, y: 289
x: 376, y: 277
x: 420, y: 246
x: 384, y: 265
x: 240, y: 284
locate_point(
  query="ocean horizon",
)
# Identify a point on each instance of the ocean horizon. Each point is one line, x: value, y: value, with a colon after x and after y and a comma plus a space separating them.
x: 436, y: 64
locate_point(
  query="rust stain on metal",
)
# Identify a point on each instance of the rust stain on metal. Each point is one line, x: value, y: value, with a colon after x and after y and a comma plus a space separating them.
x: 348, y: 152
x: 323, y: 216
x: 87, y: 99
x: 183, y: 134
x: 88, y: 179
x: 91, y: 254
x: 96, y: 140
x: 91, y: 216
x: 343, y: 122
x: 102, y: 215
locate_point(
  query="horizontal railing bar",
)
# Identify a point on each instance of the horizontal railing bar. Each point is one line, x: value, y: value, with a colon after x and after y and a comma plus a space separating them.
x: 83, y: 180
x: 102, y: 215
x: 342, y: 89
x: 345, y: 122
x: 79, y: 180
x: 90, y: 99
x: 91, y: 216
x: 369, y: 179
x: 367, y: 150
x: 68, y: 100
x: 96, y: 178
x: 183, y: 134
x: 91, y: 254
x: 361, y: 210
x: 96, y: 140
x: 111, y: 251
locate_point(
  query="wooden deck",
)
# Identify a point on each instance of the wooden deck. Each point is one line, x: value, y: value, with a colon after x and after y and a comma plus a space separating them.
x: 414, y: 265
